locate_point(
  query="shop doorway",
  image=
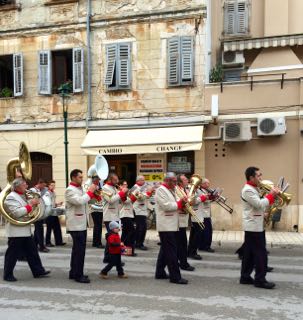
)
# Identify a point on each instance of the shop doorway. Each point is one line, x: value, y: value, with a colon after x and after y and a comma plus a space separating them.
x: 125, y: 166
x: 42, y: 167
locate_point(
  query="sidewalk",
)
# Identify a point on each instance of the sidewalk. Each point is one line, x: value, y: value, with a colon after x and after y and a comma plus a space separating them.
x: 220, y: 238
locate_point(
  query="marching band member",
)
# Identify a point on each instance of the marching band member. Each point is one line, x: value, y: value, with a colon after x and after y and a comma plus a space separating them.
x: 20, y: 240
x: 52, y: 221
x: 167, y: 207
x: 40, y: 188
x: 76, y: 222
x: 96, y: 211
x: 181, y: 234
x: 254, y: 211
x: 140, y: 208
x: 127, y: 221
x: 111, y: 202
x: 207, y: 232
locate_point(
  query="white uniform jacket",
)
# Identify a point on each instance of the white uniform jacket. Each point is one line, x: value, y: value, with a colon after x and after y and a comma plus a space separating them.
x: 111, y: 204
x: 140, y: 205
x: 95, y: 206
x: 16, y: 204
x: 76, y: 204
x: 183, y: 217
x: 167, y: 215
x: 254, y: 208
x: 127, y: 210
x: 202, y: 205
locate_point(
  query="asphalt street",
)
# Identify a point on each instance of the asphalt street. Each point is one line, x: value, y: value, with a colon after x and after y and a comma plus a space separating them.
x: 213, y: 291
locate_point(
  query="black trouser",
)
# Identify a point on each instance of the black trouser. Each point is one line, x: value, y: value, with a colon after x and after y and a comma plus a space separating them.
x: 128, y: 232
x: 206, y: 235
x: 168, y: 256
x: 255, y: 255
x: 141, y: 227
x: 182, y: 247
x: 26, y: 247
x: 78, y: 253
x: 97, y: 232
x: 39, y: 234
x: 194, y: 239
x: 114, y: 260
x: 53, y: 224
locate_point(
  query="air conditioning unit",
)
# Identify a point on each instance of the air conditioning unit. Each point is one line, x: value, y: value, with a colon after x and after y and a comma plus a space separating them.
x: 271, y: 126
x: 232, y: 59
x: 237, y: 131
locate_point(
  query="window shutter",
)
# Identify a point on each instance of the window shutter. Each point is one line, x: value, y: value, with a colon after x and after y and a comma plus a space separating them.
x: 242, y: 17
x: 44, y: 84
x: 124, y: 64
x: 78, y: 75
x: 229, y: 17
x: 173, y: 56
x: 18, y: 74
x: 111, y: 55
x: 187, y: 54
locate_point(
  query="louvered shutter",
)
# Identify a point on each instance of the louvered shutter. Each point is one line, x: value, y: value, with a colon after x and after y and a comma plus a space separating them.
x: 187, y: 54
x: 124, y: 65
x: 173, y: 59
x: 230, y: 17
x: 111, y: 56
x: 78, y: 74
x: 44, y: 82
x: 18, y: 74
x: 242, y: 17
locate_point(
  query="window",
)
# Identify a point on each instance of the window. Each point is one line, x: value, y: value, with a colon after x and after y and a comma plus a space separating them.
x: 236, y: 17
x: 5, y: 2
x: 180, y: 57
x: 11, y: 75
x: 118, y: 66
x: 58, y: 67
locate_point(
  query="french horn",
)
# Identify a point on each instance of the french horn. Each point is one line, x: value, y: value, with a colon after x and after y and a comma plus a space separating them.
x: 24, y: 164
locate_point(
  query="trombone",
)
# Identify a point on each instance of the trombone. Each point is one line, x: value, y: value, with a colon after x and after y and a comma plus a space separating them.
x: 220, y: 200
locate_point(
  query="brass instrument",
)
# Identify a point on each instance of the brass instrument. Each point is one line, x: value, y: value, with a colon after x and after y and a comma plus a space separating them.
x: 195, y: 181
x: 220, y: 200
x: 23, y: 162
x: 281, y: 199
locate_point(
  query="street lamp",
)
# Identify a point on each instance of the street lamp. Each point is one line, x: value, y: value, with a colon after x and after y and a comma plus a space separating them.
x: 64, y: 92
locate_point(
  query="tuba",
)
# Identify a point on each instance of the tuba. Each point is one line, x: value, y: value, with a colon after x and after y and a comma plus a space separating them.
x: 282, y: 199
x: 23, y: 162
x: 194, y: 183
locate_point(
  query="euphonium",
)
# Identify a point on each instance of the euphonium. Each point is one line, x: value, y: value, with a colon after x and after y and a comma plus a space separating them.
x: 195, y: 181
x: 23, y: 162
x: 281, y: 200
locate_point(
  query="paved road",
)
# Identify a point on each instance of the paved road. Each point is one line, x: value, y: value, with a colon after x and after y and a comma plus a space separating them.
x: 213, y: 291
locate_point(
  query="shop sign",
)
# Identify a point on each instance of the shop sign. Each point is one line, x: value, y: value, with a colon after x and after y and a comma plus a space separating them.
x: 151, y: 169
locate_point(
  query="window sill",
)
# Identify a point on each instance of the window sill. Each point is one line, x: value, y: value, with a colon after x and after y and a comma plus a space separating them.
x: 227, y: 37
x: 11, y: 7
x: 57, y: 2
x: 7, y: 98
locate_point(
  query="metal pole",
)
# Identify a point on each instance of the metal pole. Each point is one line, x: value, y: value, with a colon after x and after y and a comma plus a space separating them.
x: 65, y: 141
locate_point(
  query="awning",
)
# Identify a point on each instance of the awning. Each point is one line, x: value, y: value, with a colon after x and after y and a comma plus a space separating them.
x: 265, y: 42
x: 151, y: 140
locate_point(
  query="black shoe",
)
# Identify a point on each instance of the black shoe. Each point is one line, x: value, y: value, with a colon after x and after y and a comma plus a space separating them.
x: 82, y: 280
x: 188, y: 268
x: 142, y: 248
x: 161, y: 276
x: 122, y: 264
x: 134, y: 255
x: 61, y: 244
x: 247, y: 280
x: 265, y: 285
x: 50, y: 245
x: 195, y: 257
x: 180, y: 281
x: 43, y: 274
x: 210, y: 250
x: 44, y: 250
x: 71, y: 277
x: 269, y: 269
x: 10, y: 278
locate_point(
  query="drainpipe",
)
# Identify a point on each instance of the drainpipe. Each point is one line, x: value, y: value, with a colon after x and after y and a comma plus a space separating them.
x: 208, y: 35
x: 89, y: 70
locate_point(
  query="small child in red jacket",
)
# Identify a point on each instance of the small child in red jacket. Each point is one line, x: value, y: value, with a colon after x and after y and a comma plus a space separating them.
x: 115, y: 247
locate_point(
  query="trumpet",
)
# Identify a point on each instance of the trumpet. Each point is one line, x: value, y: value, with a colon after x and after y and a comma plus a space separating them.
x: 220, y: 200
